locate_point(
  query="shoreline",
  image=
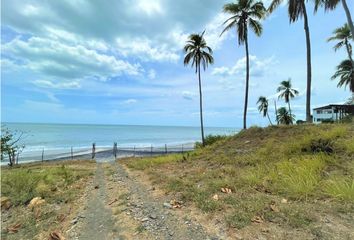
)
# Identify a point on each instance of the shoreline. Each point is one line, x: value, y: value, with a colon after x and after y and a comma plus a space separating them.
x: 105, y: 153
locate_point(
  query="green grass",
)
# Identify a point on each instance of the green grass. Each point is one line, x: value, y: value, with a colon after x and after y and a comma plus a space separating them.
x: 303, y: 163
x: 147, y: 162
x: 22, y: 184
x: 341, y: 188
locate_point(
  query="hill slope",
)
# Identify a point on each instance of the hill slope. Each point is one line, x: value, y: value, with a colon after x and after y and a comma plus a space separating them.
x: 282, y: 180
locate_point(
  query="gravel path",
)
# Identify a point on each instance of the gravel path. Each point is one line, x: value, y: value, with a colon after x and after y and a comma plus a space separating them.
x: 156, y: 218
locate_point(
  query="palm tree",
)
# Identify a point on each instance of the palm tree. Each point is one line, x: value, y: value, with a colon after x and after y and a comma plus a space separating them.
x: 345, y: 73
x: 296, y: 10
x: 284, y: 117
x: 342, y: 35
x: 245, y: 13
x: 198, y: 53
x: 287, y: 92
x: 331, y: 5
x: 263, y: 107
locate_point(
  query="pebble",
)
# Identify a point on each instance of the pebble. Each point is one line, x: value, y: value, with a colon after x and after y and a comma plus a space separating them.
x: 74, y: 221
x: 167, y: 205
x: 153, y: 216
x: 144, y: 219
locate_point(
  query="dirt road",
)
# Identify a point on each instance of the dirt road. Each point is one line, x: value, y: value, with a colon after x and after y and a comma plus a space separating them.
x: 119, y: 207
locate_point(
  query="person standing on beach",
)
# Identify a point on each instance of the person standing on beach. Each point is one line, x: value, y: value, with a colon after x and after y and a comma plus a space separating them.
x: 93, y: 150
x: 115, y: 150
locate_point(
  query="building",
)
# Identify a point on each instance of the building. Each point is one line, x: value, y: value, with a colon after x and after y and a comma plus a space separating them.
x: 332, y: 112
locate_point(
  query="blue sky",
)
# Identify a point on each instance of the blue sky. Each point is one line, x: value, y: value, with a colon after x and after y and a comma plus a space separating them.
x: 121, y: 62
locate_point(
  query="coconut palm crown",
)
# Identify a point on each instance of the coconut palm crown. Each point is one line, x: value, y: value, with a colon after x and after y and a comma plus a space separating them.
x: 198, y: 53
x: 287, y: 92
x: 263, y: 107
x: 331, y: 5
x: 296, y: 10
x: 345, y: 73
x: 245, y: 14
x: 342, y: 36
x: 284, y: 117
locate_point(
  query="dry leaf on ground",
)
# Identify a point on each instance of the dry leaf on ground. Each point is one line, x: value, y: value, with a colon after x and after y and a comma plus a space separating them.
x: 5, y: 203
x: 273, y: 207
x: 257, y: 219
x: 56, y: 236
x: 216, y: 197
x: 14, y: 228
x: 35, y: 202
x: 175, y: 204
x: 226, y: 190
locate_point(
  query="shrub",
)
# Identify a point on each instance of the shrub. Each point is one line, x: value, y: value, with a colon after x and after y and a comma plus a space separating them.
x: 210, y: 139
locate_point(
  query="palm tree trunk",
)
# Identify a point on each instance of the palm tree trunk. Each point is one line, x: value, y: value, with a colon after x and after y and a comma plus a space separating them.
x: 276, y: 111
x: 348, y: 50
x: 201, y: 105
x: 269, y: 119
x: 308, y: 46
x: 247, y: 82
x: 289, y: 107
x: 349, y: 17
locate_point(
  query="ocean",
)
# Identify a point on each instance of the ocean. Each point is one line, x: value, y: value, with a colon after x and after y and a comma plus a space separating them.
x: 56, y: 140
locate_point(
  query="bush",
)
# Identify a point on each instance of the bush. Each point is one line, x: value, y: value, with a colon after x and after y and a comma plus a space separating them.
x: 209, y: 140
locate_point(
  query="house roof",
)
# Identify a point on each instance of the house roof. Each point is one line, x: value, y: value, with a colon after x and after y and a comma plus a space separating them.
x: 346, y: 107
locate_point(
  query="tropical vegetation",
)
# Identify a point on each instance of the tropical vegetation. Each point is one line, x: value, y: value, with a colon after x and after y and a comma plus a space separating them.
x: 296, y: 10
x: 198, y: 53
x: 263, y: 107
x: 286, y: 92
x: 284, y: 116
x: 245, y: 14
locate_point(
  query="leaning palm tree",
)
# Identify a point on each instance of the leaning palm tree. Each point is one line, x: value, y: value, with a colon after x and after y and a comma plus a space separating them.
x: 296, y: 10
x: 244, y: 14
x: 331, y: 5
x: 345, y: 73
x: 287, y: 92
x: 198, y: 53
x: 284, y: 117
x: 263, y: 107
x: 342, y: 36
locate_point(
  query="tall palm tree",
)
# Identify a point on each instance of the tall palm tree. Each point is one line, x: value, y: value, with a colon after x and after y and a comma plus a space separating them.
x: 263, y: 105
x: 284, y: 117
x: 198, y: 53
x: 345, y: 73
x: 296, y: 10
x: 287, y: 92
x: 244, y: 14
x: 342, y: 35
x: 331, y: 5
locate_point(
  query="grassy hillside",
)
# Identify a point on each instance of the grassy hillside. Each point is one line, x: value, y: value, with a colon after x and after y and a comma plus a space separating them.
x: 290, y: 176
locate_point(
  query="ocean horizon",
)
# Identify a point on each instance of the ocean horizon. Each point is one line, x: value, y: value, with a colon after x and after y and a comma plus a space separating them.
x: 57, y: 139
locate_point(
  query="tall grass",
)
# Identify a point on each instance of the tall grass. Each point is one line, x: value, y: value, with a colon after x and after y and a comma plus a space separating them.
x: 21, y: 185
x: 341, y: 188
x: 300, y: 178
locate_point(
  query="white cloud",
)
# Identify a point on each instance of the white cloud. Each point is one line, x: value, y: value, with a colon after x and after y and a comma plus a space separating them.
x: 129, y: 101
x: 149, y: 30
x: 188, y: 95
x: 150, y: 7
x: 152, y: 74
x: 258, y: 67
x: 63, y: 61
x: 143, y: 49
x: 59, y: 85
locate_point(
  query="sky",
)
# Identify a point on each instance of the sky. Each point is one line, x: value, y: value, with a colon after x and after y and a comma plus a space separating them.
x: 121, y: 62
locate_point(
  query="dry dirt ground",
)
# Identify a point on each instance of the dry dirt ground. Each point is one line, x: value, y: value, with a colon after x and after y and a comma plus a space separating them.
x: 117, y: 206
